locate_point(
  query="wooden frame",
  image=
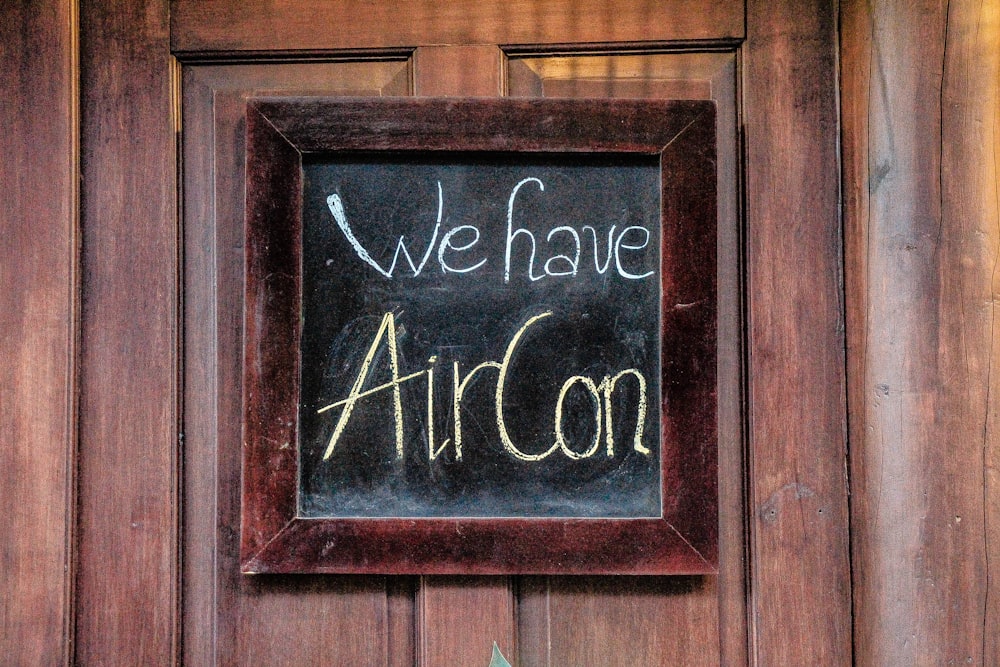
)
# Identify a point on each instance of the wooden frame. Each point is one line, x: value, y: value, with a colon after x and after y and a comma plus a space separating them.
x: 276, y: 539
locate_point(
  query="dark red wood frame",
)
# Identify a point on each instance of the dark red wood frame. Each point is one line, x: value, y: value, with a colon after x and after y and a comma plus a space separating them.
x: 274, y: 539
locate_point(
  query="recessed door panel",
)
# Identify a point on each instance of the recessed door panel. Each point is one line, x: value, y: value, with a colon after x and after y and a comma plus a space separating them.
x: 709, y: 609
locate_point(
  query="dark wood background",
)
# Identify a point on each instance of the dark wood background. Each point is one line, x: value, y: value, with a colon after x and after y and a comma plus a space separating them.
x: 118, y: 357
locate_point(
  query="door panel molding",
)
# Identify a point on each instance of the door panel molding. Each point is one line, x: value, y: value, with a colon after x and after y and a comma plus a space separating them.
x: 230, y: 618
x: 719, y: 636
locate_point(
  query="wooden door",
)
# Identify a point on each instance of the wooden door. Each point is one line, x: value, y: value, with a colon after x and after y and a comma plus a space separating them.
x: 155, y: 528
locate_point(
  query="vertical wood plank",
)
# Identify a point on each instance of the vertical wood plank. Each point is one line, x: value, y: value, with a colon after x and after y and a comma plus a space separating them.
x: 127, y: 574
x: 921, y: 108
x: 469, y: 71
x: 534, y: 621
x: 401, y: 621
x: 459, y: 618
x: 308, y: 620
x: 38, y: 307
x: 800, y: 571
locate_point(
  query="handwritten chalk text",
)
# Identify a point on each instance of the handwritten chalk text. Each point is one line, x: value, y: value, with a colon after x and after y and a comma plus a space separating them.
x: 600, y: 392
x: 622, y: 246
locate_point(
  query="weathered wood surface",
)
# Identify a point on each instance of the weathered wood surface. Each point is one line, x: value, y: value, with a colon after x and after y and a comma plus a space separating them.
x: 38, y: 309
x: 921, y: 114
x: 800, y: 606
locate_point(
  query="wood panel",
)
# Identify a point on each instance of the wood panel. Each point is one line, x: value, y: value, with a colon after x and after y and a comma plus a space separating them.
x: 127, y: 522
x: 38, y: 309
x: 800, y: 571
x: 690, y: 620
x: 200, y: 26
x: 921, y: 109
x: 230, y: 618
x: 467, y: 71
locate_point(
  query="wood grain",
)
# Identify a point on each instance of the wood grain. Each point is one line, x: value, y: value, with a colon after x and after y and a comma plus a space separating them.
x: 127, y: 577
x: 308, y: 620
x: 623, y: 74
x: 626, y: 621
x: 800, y: 606
x: 921, y: 109
x: 401, y: 640
x: 460, y: 618
x: 200, y: 26
x: 38, y: 313
x: 466, y: 71
x: 120, y: 411
x: 271, y: 333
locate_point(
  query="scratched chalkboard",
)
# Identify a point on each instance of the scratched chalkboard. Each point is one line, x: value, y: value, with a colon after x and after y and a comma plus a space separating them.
x: 480, y: 335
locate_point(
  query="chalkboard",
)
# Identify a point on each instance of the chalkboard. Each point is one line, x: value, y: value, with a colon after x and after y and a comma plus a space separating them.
x: 480, y: 337
x: 547, y: 266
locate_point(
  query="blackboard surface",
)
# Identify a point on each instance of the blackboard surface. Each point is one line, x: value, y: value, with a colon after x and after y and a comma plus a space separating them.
x: 551, y: 262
